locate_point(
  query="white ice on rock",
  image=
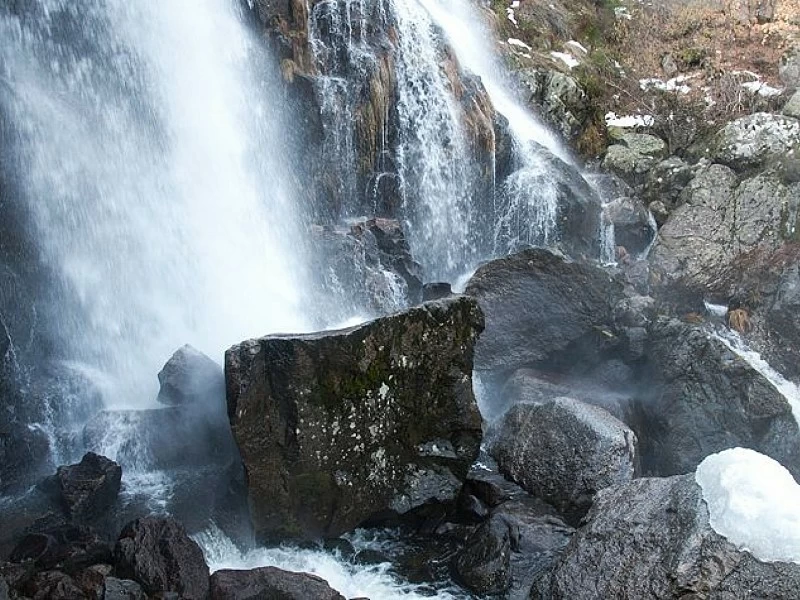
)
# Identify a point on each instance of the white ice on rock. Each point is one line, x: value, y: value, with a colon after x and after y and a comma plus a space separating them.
x: 625, y: 121
x: 753, y: 502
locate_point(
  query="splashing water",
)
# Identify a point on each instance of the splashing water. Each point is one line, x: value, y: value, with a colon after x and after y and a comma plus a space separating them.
x: 787, y: 388
x: 376, y: 581
x: 153, y: 179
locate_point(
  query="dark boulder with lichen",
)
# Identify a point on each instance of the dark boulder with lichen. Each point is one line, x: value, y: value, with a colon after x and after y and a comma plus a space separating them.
x: 337, y: 427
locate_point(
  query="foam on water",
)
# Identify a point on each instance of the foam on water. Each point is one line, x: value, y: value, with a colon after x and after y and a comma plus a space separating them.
x: 378, y: 582
x: 753, y: 502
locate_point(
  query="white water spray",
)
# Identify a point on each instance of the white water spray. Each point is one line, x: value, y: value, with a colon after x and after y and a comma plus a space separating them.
x: 155, y: 181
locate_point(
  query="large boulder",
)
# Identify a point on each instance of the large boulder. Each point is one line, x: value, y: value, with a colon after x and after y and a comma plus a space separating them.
x: 541, y: 308
x: 269, y: 582
x: 564, y: 452
x: 66, y: 547
x: 700, y: 397
x: 651, y: 538
x: 191, y: 377
x: 664, y: 186
x: 754, y: 140
x: 789, y: 68
x: 336, y: 427
x: 721, y: 220
x: 159, y: 555
x: 560, y: 99
x: 89, y: 488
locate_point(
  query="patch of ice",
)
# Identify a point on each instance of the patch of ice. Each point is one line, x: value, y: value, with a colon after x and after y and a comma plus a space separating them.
x: 718, y: 310
x: 613, y: 120
x: 567, y: 59
x: 511, y: 17
x: 752, y: 501
x: 621, y: 12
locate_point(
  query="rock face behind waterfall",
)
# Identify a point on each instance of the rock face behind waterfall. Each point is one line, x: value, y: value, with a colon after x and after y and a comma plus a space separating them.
x: 336, y: 427
x: 651, y: 538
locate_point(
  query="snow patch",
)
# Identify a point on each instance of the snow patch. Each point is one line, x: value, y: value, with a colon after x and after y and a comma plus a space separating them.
x: 752, y: 501
x: 762, y: 89
x: 613, y: 120
x: 519, y: 43
x: 567, y: 59
x: 676, y: 84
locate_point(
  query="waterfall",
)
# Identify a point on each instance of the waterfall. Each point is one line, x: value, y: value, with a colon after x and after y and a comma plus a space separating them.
x: 154, y: 178
x: 528, y: 199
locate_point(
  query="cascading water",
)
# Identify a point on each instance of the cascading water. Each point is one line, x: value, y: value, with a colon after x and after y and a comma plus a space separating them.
x: 528, y: 200
x: 153, y: 176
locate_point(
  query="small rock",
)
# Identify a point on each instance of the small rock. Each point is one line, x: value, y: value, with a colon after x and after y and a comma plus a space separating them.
x: 436, y: 291
x: 633, y: 226
x: 190, y: 377
x: 789, y: 68
x: 123, y: 589
x: 68, y: 548
x: 269, y: 582
x: 159, y: 555
x: 89, y: 488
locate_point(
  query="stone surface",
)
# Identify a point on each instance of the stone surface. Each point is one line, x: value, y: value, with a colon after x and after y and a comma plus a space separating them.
x: 564, y: 451
x: 159, y: 555
x: 701, y: 398
x: 650, y: 538
x: 665, y: 183
x: 190, y: 377
x: 789, y: 68
x: 540, y: 307
x: 269, y: 582
x: 89, y: 488
x: 753, y: 140
x: 122, y: 589
x: 68, y: 548
x: 373, y: 418
x: 721, y: 220
x: 792, y: 107
x: 634, y: 155
x: 484, y: 566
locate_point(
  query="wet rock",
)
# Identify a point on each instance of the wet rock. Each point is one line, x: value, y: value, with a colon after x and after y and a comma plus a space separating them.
x: 540, y: 308
x: 484, y: 566
x: 191, y: 377
x: 373, y: 418
x: 577, y: 206
x: 368, y: 267
x: 436, y: 291
x: 53, y: 585
x: 721, y: 220
x: 754, y: 140
x: 122, y: 589
x: 89, y: 488
x: 159, y: 555
x: 269, y: 582
x: 67, y: 548
x: 633, y: 227
x: 24, y: 451
x: 658, y: 530
x: 564, y: 452
x: 702, y: 398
